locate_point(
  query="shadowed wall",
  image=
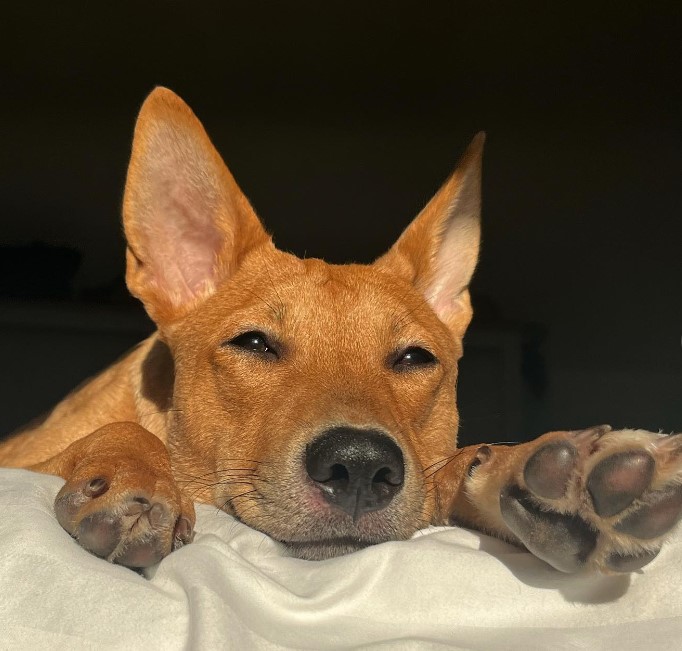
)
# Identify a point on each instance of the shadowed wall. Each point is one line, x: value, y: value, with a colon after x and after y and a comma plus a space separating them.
x: 339, y: 121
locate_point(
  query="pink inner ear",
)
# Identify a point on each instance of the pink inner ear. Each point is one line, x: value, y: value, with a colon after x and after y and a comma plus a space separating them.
x: 455, y: 262
x: 185, y: 218
x: 183, y: 241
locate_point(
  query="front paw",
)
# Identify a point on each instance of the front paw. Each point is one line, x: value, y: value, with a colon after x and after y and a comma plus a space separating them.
x: 595, y: 498
x: 125, y: 512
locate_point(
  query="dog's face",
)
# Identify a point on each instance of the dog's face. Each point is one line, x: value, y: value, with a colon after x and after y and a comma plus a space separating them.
x: 313, y: 401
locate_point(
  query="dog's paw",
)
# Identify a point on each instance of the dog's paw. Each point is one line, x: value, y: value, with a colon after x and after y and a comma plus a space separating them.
x: 129, y: 515
x: 595, y: 498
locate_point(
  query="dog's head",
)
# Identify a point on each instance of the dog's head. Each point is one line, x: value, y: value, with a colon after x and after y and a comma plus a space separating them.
x: 312, y: 401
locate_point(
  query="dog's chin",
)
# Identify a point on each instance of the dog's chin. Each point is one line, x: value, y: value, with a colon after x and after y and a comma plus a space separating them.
x: 320, y: 550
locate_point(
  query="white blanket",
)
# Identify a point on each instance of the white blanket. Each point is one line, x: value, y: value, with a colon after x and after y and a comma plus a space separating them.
x: 234, y: 588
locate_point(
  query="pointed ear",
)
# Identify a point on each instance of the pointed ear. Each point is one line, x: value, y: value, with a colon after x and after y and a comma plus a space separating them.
x: 186, y: 221
x: 438, y: 251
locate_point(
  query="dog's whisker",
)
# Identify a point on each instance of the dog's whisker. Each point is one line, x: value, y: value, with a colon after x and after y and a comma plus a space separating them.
x: 430, y: 489
x: 404, y: 319
x: 241, y: 472
x: 235, y: 470
x: 444, y: 463
x: 237, y: 459
x: 222, y: 470
x: 260, y: 298
x: 226, y: 482
x: 247, y: 480
x: 279, y: 315
x: 436, y: 467
x: 249, y: 500
x: 435, y: 463
x: 229, y: 500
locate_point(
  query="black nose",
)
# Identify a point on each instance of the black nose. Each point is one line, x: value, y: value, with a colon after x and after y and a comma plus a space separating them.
x: 357, y: 470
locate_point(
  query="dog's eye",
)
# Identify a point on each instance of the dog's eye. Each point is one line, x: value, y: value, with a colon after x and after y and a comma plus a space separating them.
x: 413, y: 356
x: 254, y: 342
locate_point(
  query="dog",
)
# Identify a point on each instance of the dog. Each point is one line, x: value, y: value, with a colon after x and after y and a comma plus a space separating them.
x: 314, y: 402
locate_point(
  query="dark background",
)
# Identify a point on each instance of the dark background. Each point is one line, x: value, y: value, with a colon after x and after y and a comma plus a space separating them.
x: 339, y: 121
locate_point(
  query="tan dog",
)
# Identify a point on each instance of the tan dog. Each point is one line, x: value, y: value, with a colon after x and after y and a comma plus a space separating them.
x: 316, y: 402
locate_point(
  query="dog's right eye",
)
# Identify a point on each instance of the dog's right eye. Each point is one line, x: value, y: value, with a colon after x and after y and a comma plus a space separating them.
x: 254, y: 342
x: 413, y: 356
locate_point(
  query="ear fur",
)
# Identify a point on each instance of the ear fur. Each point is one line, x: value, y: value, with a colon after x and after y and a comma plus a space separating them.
x: 187, y: 223
x: 438, y: 251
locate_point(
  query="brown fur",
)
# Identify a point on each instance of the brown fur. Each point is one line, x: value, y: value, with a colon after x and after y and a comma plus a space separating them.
x: 235, y: 424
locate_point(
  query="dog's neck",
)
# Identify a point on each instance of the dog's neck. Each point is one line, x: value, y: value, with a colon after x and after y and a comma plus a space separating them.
x: 152, y: 377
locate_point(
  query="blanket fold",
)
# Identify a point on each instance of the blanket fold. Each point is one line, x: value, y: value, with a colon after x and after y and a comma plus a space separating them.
x: 235, y: 588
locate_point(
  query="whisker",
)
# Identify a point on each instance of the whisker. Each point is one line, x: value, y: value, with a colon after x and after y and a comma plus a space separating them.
x: 246, y: 494
x: 221, y: 470
x: 438, y: 465
x: 444, y: 462
x: 435, y: 463
x: 204, y: 487
x: 211, y: 484
x: 272, y: 308
x: 402, y: 321
x: 279, y: 315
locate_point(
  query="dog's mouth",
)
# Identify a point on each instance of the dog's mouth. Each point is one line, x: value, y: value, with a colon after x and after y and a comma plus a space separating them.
x: 348, y: 489
x: 318, y: 531
x: 320, y: 550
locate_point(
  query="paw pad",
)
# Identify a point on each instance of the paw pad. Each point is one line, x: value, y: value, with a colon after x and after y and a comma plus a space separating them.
x: 617, y: 481
x: 99, y: 533
x: 131, y: 530
x: 659, y: 515
x: 563, y: 541
x: 130, y: 534
x: 609, y: 516
x: 549, y: 470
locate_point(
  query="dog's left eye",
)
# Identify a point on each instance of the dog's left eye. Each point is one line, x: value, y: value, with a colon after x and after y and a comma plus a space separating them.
x: 254, y: 342
x: 413, y: 356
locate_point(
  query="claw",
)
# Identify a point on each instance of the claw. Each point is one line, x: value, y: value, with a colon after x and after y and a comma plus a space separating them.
x: 591, y: 433
x: 670, y: 443
x: 482, y: 455
x: 96, y: 487
x: 183, y: 534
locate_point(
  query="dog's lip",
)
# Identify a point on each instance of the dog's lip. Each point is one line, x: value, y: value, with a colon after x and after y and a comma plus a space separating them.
x: 326, y: 548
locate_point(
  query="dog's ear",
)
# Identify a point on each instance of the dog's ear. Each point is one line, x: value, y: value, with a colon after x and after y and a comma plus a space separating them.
x: 186, y: 221
x: 438, y: 251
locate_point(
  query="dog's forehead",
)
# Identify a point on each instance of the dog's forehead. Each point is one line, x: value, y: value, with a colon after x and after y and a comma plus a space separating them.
x: 287, y: 294
x: 346, y: 288
x: 286, y: 275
